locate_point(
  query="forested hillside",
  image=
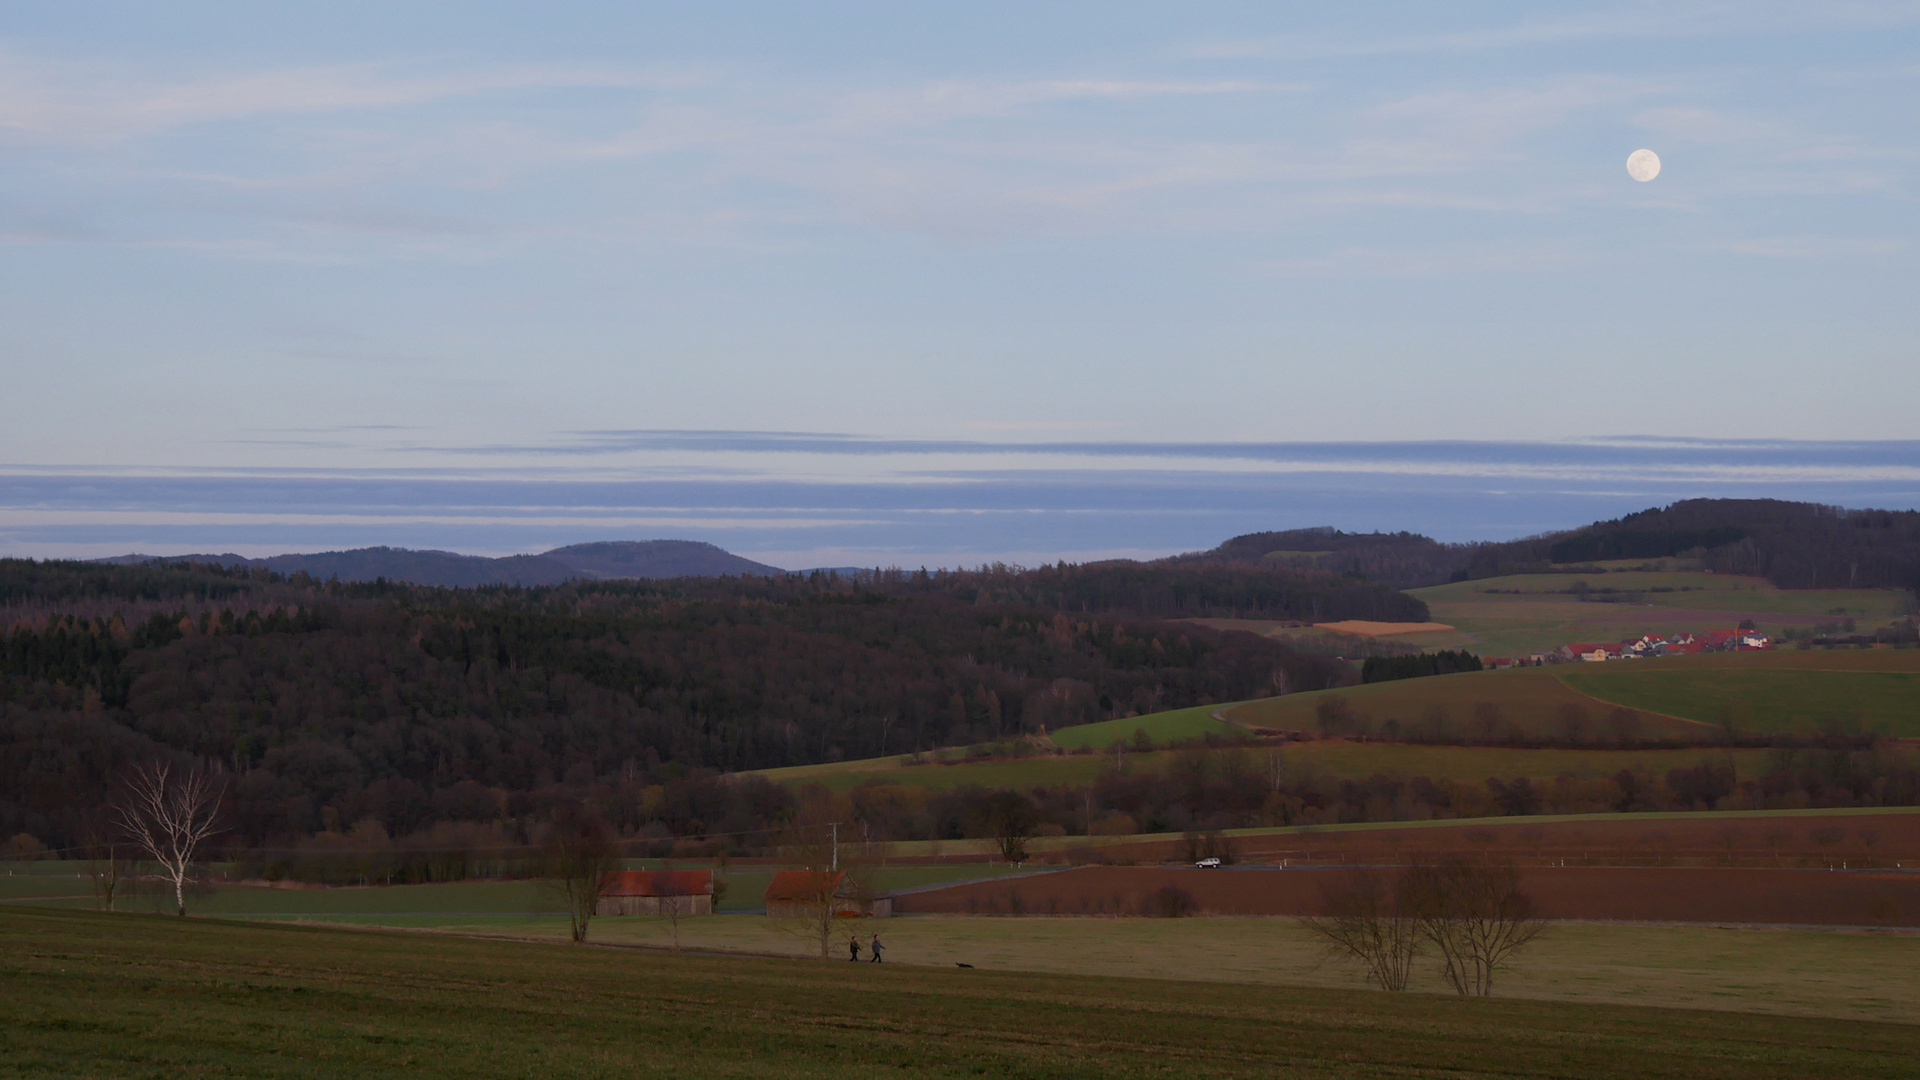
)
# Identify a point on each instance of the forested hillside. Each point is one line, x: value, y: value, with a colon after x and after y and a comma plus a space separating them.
x: 334, y: 703
x: 1794, y: 545
x: 1403, y: 560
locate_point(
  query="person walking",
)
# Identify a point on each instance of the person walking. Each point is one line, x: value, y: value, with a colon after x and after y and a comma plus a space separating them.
x: 853, y: 948
x: 874, y: 949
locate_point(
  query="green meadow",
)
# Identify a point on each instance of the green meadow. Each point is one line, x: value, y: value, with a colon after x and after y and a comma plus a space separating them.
x: 1159, y: 729
x: 1453, y: 706
x: 154, y: 996
x: 1767, y: 695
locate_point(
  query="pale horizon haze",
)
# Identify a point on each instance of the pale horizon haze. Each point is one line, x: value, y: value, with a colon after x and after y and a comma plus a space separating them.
x: 849, y: 284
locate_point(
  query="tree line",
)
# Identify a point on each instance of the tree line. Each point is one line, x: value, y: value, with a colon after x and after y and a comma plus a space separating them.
x: 332, y: 703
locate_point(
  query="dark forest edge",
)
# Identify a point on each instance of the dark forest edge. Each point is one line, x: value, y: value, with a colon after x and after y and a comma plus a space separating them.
x: 329, y: 696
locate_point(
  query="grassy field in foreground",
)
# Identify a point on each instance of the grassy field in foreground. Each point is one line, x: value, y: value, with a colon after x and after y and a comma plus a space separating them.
x: 1797, y: 972
x: 147, y: 996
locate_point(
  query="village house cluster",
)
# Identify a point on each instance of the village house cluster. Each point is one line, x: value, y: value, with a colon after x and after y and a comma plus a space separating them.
x: 1647, y: 645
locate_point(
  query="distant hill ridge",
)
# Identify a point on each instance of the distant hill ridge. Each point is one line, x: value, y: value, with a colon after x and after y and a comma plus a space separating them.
x: 1795, y: 545
x: 602, y: 561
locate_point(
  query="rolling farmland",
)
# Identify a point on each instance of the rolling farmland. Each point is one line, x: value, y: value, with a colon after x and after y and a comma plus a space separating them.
x: 1676, y: 697
x: 159, y: 996
x: 1519, y: 614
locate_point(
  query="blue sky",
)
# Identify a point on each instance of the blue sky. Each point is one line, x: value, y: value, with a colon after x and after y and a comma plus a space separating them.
x: 467, y: 241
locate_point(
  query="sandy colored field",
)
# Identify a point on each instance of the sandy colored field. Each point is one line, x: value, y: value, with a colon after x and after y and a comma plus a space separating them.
x: 1677, y: 894
x: 1363, y: 628
x: 1847, y: 974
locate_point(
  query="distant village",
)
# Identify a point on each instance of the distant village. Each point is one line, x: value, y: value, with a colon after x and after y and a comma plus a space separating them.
x: 1643, y: 647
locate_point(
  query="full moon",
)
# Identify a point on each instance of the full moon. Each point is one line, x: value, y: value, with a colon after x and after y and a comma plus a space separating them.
x: 1643, y: 165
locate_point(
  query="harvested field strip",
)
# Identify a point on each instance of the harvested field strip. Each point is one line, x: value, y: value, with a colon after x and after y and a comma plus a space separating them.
x: 1363, y: 628
x: 154, y: 996
x: 1766, y: 897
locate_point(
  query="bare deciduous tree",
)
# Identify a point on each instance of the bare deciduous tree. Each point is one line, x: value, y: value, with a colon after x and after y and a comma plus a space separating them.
x: 1475, y: 917
x: 169, y: 816
x: 671, y: 893
x: 828, y: 878
x: 107, y: 861
x: 1009, y: 818
x: 576, y: 858
x: 1370, y: 918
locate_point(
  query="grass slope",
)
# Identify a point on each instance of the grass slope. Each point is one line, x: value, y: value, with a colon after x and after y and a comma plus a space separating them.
x: 1765, y: 691
x: 1177, y: 725
x: 1339, y: 759
x: 1768, y: 693
x: 150, y: 996
x: 1530, y: 698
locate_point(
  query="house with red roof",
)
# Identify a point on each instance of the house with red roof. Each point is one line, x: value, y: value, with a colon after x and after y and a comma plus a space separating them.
x: 1590, y: 651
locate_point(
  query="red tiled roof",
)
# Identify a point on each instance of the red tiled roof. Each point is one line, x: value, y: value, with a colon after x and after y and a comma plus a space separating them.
x: 803, y: 884
x: 657, y: 883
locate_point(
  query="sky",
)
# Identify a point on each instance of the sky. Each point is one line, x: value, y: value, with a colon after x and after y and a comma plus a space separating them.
x: 492, y: 277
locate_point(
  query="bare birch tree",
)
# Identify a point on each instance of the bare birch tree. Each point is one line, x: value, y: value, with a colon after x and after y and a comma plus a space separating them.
x: 170, y: 816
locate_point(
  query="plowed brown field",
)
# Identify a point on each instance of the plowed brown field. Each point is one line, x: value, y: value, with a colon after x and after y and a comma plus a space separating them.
x: 1765, y: 896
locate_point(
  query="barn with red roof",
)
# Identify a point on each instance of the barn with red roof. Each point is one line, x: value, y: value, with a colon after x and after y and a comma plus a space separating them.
x: 656, y: 892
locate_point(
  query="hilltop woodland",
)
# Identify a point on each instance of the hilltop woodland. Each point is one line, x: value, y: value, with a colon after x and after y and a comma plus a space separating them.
x: 1793, y: 545
x: 332, y: 704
